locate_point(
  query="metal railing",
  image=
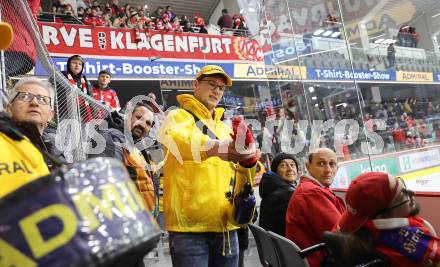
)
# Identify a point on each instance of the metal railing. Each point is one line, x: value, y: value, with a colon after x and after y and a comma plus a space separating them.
x: 55, y: 17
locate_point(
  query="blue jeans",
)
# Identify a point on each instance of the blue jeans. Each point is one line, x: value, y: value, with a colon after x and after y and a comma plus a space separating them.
x: 203, y: 249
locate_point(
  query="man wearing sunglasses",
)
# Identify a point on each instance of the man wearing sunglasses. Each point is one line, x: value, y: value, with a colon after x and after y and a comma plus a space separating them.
x: 198, y: 169
x: 383, y: 213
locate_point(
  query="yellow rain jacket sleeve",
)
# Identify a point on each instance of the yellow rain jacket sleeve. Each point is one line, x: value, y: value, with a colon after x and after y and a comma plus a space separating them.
x: 20, y: 163
x: 194, y: 185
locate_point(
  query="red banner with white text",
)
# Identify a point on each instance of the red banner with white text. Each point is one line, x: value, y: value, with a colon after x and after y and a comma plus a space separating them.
x: 103, y: 42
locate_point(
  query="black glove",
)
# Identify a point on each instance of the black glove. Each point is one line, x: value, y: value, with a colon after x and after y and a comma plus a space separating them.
x: 8, y: 127
x: 115, y: 121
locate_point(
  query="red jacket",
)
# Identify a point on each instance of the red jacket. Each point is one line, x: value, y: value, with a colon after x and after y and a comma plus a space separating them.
x: 398, y: 135
x: 313, y: 209
x: 96, y: 21
x: 108, y: 97
x: 22, y: 41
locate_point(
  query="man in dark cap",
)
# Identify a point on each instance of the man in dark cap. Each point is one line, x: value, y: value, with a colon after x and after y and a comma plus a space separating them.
x: 276, y: 188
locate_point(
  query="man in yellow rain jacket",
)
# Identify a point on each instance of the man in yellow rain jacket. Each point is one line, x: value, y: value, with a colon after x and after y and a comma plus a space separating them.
x: 199, y: 165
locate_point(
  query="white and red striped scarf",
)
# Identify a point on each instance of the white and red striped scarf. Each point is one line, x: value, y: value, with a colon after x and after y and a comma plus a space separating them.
x: 74, y: 83
x: 87, y: 116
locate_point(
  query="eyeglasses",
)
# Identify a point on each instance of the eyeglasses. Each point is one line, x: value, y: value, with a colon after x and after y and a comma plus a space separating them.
x: 214, y: 85
x: 407, y: 193
x: 28, y: 97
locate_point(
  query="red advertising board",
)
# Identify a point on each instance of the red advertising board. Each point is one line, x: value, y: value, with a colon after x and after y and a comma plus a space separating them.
x: 103, y: 42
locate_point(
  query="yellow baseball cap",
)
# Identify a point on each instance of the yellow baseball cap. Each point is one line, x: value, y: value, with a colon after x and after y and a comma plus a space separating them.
x: 6, y: 35
x: 214, y: 69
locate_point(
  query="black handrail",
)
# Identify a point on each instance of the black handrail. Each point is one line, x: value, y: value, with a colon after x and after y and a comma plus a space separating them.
x: 307, y: 251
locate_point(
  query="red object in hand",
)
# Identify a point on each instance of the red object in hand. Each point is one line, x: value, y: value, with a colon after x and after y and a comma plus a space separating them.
x: 249, y: 140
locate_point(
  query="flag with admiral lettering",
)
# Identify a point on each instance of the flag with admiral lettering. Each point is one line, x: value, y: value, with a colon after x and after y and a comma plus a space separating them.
x: 86, y: 215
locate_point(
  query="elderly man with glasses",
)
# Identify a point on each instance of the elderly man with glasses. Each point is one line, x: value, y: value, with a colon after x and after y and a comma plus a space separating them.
x: 20, y: 161
x: 382, y: 216
x: 31, y: 102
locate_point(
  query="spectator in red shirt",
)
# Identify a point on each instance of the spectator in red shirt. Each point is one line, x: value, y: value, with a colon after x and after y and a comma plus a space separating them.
x: 103, y: 93
x: 398, y: 137
x: 133, y: 20
x: 68, y: 10
x: 21, y: 55
x: 437, y: 132
x: 225, y: 21
x: 200, y: 23
x: 164, y: 24
x: 176, y: 25
x: 314, y: 208
x: 414, y: 35
x: 106, y: 20
x: 93, y: 19
x: 382, y: 216
x: 116, y: 10
x: 239, y: 26
x: 410, y: 142
x: 142, y: 19
x: 120, y: 22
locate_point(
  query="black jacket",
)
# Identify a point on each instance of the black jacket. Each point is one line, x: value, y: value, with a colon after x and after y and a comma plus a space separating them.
x: 275, y: 194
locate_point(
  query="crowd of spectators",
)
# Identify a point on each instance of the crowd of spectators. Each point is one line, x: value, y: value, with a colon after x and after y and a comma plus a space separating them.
x: 113, y: 14
x: 235, y: 24
x: 408, y: 36
x: 406, y: 123
x: 401, y: 123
